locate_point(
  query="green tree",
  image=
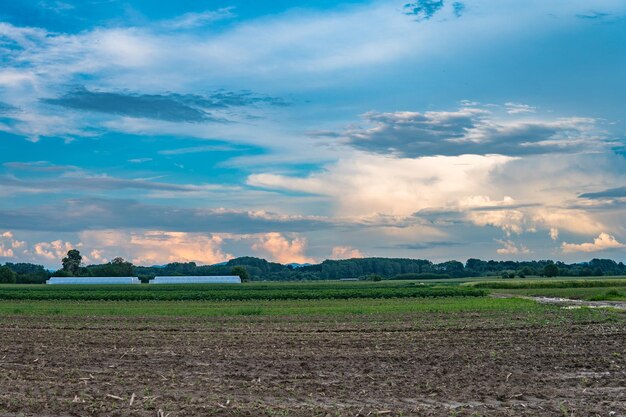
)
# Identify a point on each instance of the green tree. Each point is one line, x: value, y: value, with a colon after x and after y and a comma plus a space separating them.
x: 526, y: 271
x: 71, y: 263
x: 241, y: 271
x: 7, y: 276
x: 121, y: 267
x: 551, y: 270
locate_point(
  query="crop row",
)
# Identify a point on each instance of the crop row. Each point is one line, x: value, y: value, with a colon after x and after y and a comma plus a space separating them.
x: 204, y: 293
x: 519, y: 284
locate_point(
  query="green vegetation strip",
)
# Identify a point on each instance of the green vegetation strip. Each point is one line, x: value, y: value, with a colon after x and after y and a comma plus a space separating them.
x: 527, y: 284
x: 232, y: 292
x: 496, y: 306
x: 451, y: 312
x: 589, y: 294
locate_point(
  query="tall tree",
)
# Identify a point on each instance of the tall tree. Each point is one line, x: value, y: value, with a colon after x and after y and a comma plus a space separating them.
x: 242, y: 272
x: 71, y: 263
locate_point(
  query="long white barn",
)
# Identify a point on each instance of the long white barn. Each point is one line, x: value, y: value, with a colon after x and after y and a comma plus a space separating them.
x: 223, y: 279
x: 93, y: 280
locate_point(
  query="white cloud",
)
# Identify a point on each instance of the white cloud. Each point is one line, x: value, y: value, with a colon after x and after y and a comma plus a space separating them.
x: 96, y: 255
x: 554, y: 233
x: 193, y: 20
x: 54, y: 250
x: 478, y: 201
x: 155, y: 247
x: 279, y: 248
x: 345, y: 252
x: 517, y: 108
x: 7, y: 244
x: 510, y: 221
x: 510, y: 248
x: 13, y: 78
x: 367, y: 184
x: 604, y: 241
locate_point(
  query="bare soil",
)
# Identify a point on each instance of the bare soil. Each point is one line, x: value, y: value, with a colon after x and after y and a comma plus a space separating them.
x: 312, y: 366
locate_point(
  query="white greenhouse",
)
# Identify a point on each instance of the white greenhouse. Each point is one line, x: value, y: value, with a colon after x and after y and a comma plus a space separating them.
x: 93, y: 280
x: 224, y: 279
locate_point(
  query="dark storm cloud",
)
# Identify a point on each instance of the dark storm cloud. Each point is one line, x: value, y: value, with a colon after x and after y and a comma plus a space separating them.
x: 469, y: 131
x: 93, y: 214
x: 171, y: 107
x: 618, y: 192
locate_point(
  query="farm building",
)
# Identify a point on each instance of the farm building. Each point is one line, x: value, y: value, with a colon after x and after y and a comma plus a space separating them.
x: 93, y: 280
x: 224, y: 279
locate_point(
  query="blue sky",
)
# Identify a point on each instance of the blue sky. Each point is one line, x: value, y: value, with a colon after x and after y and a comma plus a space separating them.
x: 301, y: 131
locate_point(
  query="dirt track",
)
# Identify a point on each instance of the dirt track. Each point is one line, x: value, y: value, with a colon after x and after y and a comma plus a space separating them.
x: 308, y: 366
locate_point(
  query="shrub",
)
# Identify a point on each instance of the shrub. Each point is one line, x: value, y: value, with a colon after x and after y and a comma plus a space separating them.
x: 371, y: 277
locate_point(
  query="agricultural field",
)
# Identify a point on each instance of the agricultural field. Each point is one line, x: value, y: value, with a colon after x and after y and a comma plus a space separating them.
x: 232, y: 292
x: 432, y: 353
x: 605, y: 289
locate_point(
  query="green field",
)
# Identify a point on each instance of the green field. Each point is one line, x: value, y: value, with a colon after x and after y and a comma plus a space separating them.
x: 441, y: 312
x: 589, y: 294
x: 550, y: 283
x: 591, y: 289
x: 301, y: 298
x: 230, y: 292
x: 262, y: 307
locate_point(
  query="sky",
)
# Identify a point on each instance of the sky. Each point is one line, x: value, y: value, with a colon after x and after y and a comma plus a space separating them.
x: 302, y: 131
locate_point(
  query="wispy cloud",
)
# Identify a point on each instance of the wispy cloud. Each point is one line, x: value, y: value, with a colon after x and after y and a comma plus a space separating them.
x: 194, y: 20
x: 593, y: 15
x: 619, y: 192
x: 427, y: 245
x: 101, y: 182
x: 518, y: 108
x: 511, y: 248
x: 199, y: 149
x: 139, y: 160
x: 97, y: 213
x: 40, y: 166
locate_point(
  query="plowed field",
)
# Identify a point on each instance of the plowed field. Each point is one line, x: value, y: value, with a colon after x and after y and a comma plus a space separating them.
x: 427, y: 364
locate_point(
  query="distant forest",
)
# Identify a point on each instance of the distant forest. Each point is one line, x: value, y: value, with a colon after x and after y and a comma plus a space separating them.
x: 256, y: 269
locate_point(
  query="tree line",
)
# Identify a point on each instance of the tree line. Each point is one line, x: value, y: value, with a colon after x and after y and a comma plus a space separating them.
x: 257, y: 269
